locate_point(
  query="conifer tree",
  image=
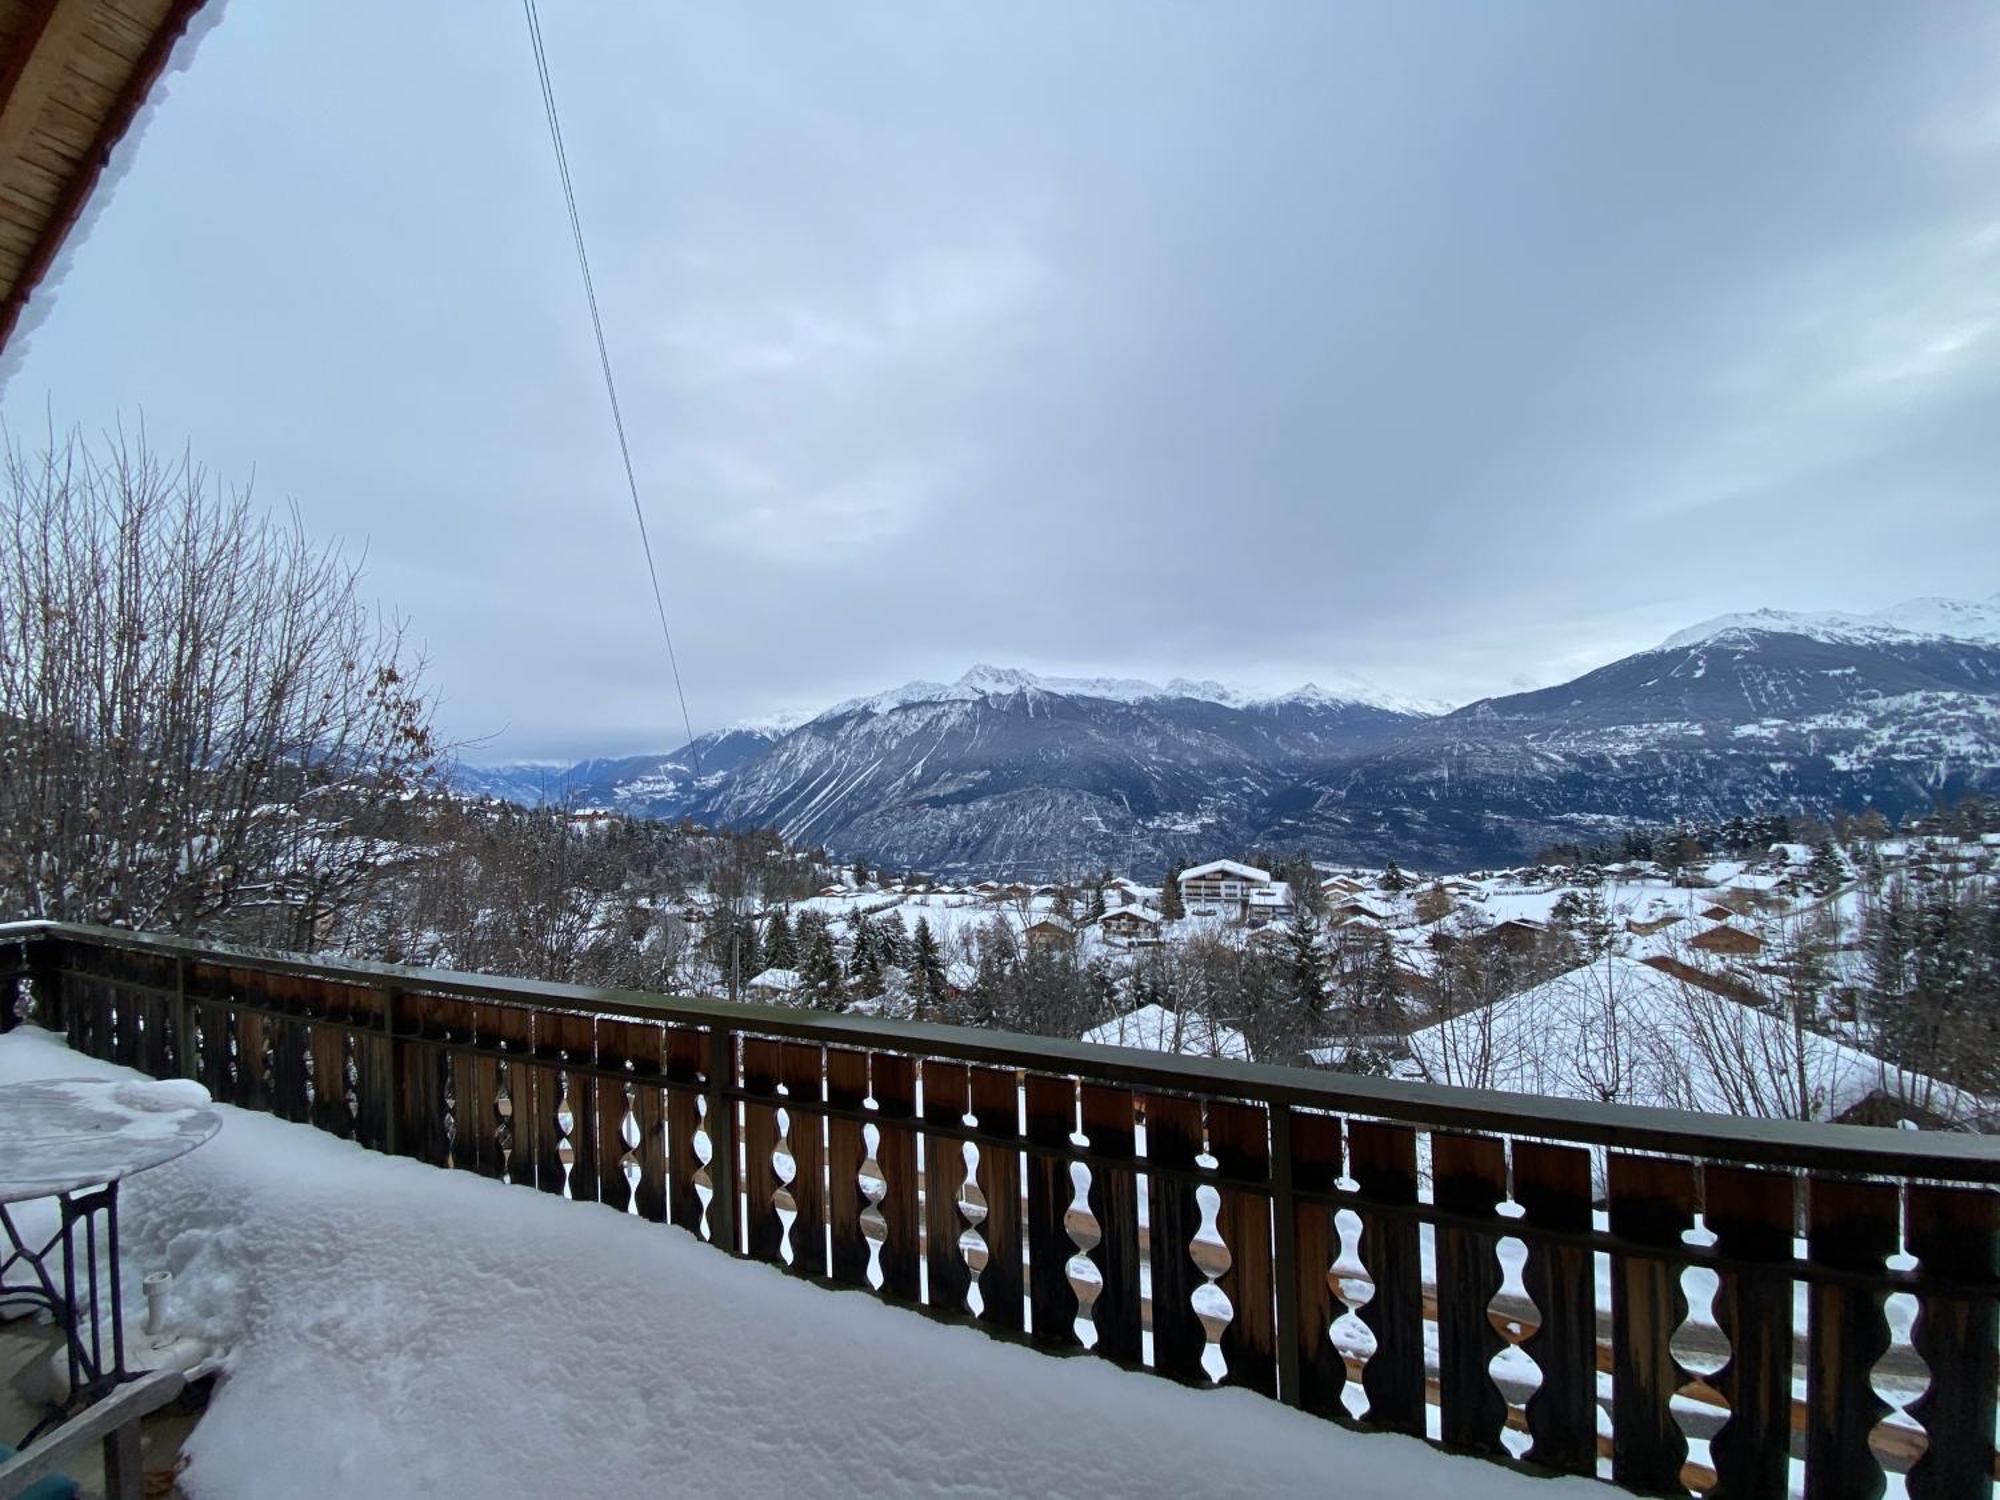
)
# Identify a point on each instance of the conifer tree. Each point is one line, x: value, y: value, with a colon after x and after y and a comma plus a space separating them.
x: 1170, y: 894
x: 1307, y: 972
x: 779, y: 952
x: 820, y: 974
x: 864, y: 959
x: 928, y: 981
x: 892, y: 939
x: 1393, y: 878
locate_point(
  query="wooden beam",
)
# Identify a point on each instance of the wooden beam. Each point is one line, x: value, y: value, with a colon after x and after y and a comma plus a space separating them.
x: 121, y: 1410
x: 35, y: 64
x: 117, y: 120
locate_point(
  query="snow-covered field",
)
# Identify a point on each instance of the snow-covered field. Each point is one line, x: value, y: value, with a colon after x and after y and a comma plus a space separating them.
x: 401, y: 1331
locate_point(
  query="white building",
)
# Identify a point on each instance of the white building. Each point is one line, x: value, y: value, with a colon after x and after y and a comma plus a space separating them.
x: 1221, y: 888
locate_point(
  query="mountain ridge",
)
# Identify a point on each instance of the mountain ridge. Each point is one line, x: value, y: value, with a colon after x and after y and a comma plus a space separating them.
x: 1008, y: 771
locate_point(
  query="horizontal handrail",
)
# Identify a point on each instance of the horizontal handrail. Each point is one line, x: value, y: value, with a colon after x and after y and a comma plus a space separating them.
x: 1859, y: 1149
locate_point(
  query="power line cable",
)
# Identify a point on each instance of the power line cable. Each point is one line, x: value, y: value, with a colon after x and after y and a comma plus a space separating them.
x: 604, y: 360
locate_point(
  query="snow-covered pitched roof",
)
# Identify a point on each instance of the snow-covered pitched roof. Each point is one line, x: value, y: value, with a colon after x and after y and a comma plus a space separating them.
x: 1137, y: 913
x: 776, y: 979
x: 1226, y: 867
x: 1157, y: 1029
x: 1620, y: 1031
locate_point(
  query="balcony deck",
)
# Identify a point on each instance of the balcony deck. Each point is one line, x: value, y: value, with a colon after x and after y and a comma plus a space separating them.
x: 399, y: 1331
x: 1677, y: 1303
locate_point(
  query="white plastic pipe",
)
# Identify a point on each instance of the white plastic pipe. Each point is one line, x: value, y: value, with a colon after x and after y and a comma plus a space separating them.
x: 156, y: 1285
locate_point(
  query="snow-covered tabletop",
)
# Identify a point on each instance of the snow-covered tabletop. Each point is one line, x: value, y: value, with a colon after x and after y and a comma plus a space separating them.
x: 60, y: 1134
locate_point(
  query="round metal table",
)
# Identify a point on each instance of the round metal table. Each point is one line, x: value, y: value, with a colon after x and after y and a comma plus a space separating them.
x: 75, y: 1140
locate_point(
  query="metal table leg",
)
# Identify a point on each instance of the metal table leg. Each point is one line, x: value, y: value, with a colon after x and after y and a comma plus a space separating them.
x: 75, y: 1307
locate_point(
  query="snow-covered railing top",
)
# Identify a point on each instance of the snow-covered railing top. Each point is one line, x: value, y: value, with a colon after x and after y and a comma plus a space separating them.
x: 1672, y: 1301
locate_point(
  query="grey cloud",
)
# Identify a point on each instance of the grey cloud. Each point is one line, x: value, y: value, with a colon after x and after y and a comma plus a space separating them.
x: 1452, y: 346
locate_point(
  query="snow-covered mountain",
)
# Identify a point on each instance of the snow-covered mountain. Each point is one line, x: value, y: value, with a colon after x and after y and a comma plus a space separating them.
x: 1004, y: 770
x: 983, y: 683
x: 1918, y: 619
x: 1763, y: 711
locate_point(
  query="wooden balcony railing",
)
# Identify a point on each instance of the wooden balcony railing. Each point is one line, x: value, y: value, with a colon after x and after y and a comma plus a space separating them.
x: 1360, y: 1248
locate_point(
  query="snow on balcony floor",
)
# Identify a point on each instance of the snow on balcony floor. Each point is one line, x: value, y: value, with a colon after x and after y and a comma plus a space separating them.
x: 399, y: 1331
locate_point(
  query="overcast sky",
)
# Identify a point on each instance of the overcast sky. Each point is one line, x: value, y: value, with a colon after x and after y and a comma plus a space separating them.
x: 1456, y: 347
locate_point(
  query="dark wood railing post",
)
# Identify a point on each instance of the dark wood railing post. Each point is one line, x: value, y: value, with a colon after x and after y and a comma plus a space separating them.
x: 10, y: 996
x: 393, y: 1068
x: 1285, y: 1240
x: 721, y: 1127
x: 43, y: 957
x: 184, y: 1057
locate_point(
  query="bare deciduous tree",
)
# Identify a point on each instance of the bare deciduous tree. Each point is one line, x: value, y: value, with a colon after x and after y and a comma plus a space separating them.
x: 203, y: 728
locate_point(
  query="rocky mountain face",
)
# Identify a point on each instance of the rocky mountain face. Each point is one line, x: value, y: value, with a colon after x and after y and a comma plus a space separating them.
x: 1757, y: 712
x: 1002, y: 771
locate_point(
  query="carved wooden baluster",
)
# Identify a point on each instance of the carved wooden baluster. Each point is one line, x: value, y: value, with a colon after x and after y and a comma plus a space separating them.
x: 1552, y: 1185
x: 945, y: 1086
x: 329, y: 1064
x: 1239, y: 1139
x: 621, y: 1047
x: 250, y: 1089
x: 547, y: 1033
x: 420, y: 1127
x: 902, y: 1251
x: 1955, y: 1233
x: 649, y: 1055
x: 1051, y: 1111
x: 1469, y: 1175
x: 1850, y: 1226
x: 996, y: 1104
x: 1316, y: 1162
x: 577, y: 1036
x: 524, y: 1109
x: 805, y: 1076
x: 1173, y: 1141
x: 846, y: 1150
x: 1652, y: 1204
x: 685, y: 1050
x: 1118, y: 1314
x: 763, y: 1230
x: 369, y: 1055
x: 1753, y: 1216
x: 1383, y: 1162
x: 479, y: 1091
x: 289, y: 1088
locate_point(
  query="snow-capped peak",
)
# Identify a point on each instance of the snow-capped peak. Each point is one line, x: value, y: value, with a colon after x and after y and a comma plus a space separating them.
x: 1925, y: 619
x: 985, y: 681
x: 1351, y: 690
x: 774, y: 726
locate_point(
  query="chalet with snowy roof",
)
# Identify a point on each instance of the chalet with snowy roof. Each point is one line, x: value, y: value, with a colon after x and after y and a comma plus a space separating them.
x: 1356, y: 910
x: 1271, y: 903
x: 775, y: 986
x: 1221, y: 888
x: 1130, y: 924
x: 1726, y: 939
x: 1047, y: 935
x: 1652, y: 925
